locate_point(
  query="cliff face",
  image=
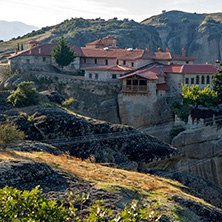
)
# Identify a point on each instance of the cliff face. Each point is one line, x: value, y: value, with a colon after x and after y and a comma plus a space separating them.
x: 200, y: 34
x: 202, y: 153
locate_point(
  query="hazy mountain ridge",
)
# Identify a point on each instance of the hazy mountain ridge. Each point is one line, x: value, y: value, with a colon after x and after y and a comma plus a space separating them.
x: 9, y: 30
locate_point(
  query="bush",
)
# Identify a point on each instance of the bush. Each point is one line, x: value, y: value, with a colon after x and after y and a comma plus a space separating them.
x: 69, y: 101
x: 6, y: 72
x: 24, y: 95
x: 182, y: 111
x: 16, y: 205
x: 176, y: 130
x: 9, y: 133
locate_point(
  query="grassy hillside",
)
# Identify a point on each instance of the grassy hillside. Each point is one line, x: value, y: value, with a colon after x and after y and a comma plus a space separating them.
x: 79, y: 31
x: 128, y: 185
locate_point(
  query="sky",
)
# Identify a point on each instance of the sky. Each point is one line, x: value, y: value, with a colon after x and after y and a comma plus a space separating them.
x: 43, y: 13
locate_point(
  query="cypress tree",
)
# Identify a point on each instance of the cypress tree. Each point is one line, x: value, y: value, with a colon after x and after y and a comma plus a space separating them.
x: 62, y: 53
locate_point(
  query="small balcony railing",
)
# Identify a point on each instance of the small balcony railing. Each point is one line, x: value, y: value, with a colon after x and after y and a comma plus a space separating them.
x: 135, y: 89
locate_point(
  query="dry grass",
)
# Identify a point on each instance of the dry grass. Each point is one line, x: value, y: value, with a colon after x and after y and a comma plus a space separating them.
x: 100, y: 174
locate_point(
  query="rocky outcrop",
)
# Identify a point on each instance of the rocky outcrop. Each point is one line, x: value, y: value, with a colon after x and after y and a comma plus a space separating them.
x: 194, y: 185
x: 200, y: 34
x: 202, y: 152
x: 87, y: 138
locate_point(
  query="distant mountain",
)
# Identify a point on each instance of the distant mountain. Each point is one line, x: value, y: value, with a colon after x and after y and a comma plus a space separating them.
x: 9, y: 30
x: 200, y: 34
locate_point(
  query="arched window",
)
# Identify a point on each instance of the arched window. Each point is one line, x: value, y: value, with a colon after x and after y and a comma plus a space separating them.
x: 202, y: 80
x: 197, y: 79
x: 208, y: 79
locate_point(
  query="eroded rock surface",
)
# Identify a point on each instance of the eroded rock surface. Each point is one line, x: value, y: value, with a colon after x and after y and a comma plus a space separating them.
x: 202, y: 152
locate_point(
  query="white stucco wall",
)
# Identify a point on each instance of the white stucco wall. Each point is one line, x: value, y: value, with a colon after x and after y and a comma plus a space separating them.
x: 105, y: 76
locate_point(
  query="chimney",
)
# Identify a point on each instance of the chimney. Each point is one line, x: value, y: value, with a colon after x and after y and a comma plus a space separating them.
x: 217, y: 64
x: 183, y: 51
x: 159, y: 49
x: 16, y: 50
x: 40, y: 51
x: 147, y: 49
x: 167, y: 49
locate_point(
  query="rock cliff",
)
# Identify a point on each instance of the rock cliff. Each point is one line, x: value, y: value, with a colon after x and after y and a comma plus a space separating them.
x: 202, y: 152
x: 200, y: 34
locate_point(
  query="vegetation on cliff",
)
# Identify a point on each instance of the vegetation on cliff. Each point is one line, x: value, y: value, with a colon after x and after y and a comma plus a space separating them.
x: 24, y: 95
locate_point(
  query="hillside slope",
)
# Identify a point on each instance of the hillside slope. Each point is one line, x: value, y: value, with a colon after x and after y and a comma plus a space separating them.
x: 59, y: 136
x: 200, y: 34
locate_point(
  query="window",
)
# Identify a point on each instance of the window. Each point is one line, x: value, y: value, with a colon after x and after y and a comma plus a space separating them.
x: 192, y: 80
x: 28, y: 60
x: 132, y: 64
x: 202, y: 80
x: 187, y: 80
x: 90, y: 75
x: 114, y: 76
x: 117, y: 62
x: 43, y: 59
x: 197, y: 79
x: 95, y: 61
x: 96, y: 76
x: 208, y: 79
x: 124, y: 62
x: 84, y: 60
x: 107, y: 62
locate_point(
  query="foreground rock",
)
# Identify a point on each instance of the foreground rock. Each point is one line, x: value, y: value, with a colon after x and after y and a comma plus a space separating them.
x: 56, y: 184
x: 202, y: 152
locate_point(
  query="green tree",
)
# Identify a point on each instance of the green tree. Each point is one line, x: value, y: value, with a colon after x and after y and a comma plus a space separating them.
x: 24, y: 95
x: 194, y: 96
x: 62, y: 53
x: 217, y: 84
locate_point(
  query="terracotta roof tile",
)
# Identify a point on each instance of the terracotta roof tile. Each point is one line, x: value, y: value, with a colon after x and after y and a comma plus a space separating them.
x: 150, y: 72
x: 162, y: 86
x: 190, y: 68
x: 96, y: 42
x: 109, y: 68
x: 121, y: 54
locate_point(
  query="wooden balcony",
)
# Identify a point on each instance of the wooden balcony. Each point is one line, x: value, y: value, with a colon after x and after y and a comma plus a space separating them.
x: 135, y: 89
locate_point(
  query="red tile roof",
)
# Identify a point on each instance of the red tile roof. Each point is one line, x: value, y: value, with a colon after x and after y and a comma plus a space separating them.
x: 121, y: 54
x: 109, y: 68
x: 96, y: 42
x: 162, y: 86
x: 191, y: 68
x: 150, y: 72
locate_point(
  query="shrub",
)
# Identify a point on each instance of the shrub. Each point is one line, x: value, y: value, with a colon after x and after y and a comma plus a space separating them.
x: 16, y: 205
x: 9, y: 133
x: 182, y: 111
x: 69, y: 101
x: 176, y: 130
x: 6, y: 72
x: 24, y: 95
